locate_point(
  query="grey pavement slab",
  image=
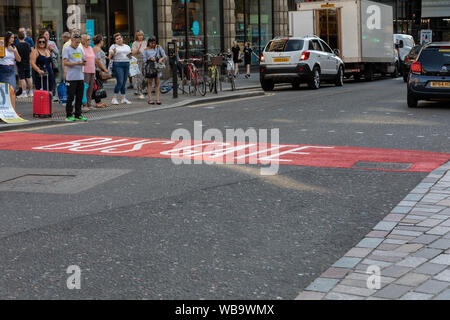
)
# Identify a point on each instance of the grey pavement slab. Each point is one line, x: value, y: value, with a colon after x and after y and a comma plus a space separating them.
x: 432, y: 287
x: 392, y: 291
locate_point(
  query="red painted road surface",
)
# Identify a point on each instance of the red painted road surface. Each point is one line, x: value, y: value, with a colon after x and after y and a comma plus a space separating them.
x: 222, y: 152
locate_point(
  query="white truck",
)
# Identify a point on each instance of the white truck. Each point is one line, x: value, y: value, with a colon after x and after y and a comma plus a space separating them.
x: 361, y: 30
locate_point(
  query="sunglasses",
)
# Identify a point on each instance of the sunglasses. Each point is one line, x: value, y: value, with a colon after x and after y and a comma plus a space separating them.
x: 41, y: 42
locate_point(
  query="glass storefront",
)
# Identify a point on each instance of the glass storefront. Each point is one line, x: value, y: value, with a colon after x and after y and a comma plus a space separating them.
x: 214, y: 26
x: 144, y: 17
x: 254, y: 23
x: 48, y: 16
x: 15, y: 14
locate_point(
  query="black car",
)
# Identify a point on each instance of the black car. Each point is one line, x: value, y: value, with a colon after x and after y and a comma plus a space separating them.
x: 409, y: 59
x: 429, y: 77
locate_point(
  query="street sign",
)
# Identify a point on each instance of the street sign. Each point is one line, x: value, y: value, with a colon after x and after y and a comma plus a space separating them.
x: 426, y: 36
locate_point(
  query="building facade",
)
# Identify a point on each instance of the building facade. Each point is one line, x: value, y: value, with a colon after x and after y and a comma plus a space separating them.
x: 198, y: 26
x: 411, y: 16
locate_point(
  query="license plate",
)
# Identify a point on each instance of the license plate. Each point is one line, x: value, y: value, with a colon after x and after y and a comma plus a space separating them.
x: 440, y: 84
x: 281, y: 59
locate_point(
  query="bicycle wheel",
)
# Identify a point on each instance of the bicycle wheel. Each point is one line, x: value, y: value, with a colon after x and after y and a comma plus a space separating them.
x: 201, y: 84
x: 216, y: 79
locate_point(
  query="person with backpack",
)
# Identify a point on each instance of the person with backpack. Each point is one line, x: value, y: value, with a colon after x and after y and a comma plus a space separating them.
x: 154, y: 55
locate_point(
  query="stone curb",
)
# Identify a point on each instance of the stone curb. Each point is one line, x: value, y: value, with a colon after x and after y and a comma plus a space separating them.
x: 410, y: 248
x: 185, y: 103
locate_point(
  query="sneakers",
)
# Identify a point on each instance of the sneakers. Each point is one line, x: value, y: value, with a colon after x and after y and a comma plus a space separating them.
x: 141, y: 97
x: 30, y: 93
x: 71, y: 119
x: 125, y: 101
x: 80, y: 118
x: 114, y: 101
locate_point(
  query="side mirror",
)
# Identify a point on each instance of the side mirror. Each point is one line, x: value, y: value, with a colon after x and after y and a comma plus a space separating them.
x: 337, y: 52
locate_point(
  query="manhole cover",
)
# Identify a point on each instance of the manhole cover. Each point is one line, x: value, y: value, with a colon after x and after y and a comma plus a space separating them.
x: 382, y: 165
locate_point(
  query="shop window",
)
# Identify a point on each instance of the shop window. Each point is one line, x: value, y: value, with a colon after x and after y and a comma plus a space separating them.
x: 15, y: 14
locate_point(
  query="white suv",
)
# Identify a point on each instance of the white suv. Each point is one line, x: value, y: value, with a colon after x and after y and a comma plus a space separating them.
x: 299, y: 60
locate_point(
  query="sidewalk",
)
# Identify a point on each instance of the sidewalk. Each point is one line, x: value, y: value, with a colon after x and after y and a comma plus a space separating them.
x: 24, y: 106
x: 411, y: 246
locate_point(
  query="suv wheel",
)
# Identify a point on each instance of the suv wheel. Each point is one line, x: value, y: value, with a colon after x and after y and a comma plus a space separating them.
x: 315, y: 80
x: 412, y: 101
x: 340, y: 77
x: 267, y: 85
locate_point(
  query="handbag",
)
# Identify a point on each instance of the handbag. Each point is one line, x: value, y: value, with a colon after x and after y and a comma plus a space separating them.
x: 150, y: 70
x: 104, y: 75
x: 160, y: 66
x: 134, y: 67
x: 98, y: 93
x: 62, y: 92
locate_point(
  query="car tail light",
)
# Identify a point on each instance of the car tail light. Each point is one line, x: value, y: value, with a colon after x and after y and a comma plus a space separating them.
x: 304, y: 56
x: 263, y: 70
x: 416, y: 67
x: 261, y: 58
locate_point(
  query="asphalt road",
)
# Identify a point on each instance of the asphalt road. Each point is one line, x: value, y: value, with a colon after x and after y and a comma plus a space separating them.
x: 160, y: 231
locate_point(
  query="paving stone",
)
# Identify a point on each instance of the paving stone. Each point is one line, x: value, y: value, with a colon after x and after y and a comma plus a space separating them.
x: 335, y: 273
x: 322, y: 285
x: 405, y: 203
x: 390, y: 253
x: 406, y: 233
x: 443, y: 276
x: 401, y: 209
x: 393, y: 217
x: 444, y: 295
x: 427, y: 253
x: 354, y: 290
x: 444, y: 203
x: 432, y: 287
x: 400, y: 237
x: 410, y: 247
x: 439, y: 231
x: 411, y: 221
x: 425, y: 239
x: 381, y: 264
x: 388, y: 246
x: 392, y: 291
x: 355, y: 283
x: 429, y: 223
x: 394, y: 241
x: 347, y: 262
x: 430, y: 268
x: 413, y: 217
x: 384, y: 258
x: 362, y: 267
x: 369, y: 243
x: 446, y: 223
x: 341, y: 296
x: 375, y: 298
x: 396, y: 271
x: 443, y: 244
x: 412, y: 279
x: 310, y: 295
x: 413, y: 197
x: 412, y: 262
x: 416, y: 296
x: 445, y: 212
x: 385, y: 226
x: 402, y: 226
x: 358, y: 252
x: 442, y: 259
x: 446, y: 236
x: 377, y: 234
x: 439, y: 217
x: 418, y: 212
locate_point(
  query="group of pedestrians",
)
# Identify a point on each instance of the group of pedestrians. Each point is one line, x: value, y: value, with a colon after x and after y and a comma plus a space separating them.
x: 247, y: 57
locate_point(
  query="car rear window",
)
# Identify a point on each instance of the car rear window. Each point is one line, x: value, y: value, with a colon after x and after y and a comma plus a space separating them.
x: 284, y: 45
x: 435, y: 56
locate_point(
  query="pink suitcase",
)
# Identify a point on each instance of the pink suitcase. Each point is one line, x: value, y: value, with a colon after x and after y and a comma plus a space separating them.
x: 43, y: 101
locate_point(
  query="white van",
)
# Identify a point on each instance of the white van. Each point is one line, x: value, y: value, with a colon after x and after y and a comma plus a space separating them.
x: 404, y: 43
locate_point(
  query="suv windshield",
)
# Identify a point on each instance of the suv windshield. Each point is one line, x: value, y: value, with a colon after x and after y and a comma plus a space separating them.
x: 284, y: 45
x: 435, y: 57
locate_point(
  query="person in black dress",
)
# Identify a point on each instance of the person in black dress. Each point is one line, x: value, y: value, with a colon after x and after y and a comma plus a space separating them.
x: 236, y: 57
x: 41, y: 62
x: 248, y: 52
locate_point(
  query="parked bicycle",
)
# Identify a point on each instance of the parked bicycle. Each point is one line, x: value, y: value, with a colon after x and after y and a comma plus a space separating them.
x: 196, y: 81
x: 167, y: 86
x: 230, y: 68
x: 214, y: 73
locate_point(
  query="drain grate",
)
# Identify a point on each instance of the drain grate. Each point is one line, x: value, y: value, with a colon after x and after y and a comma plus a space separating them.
x: 382, y: 165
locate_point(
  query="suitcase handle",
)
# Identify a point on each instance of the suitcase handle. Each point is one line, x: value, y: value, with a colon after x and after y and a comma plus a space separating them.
x: 42, y: 81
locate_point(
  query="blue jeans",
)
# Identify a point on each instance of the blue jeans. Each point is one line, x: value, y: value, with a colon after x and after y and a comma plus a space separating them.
x: 8, y: 75
x: 121, y: 71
